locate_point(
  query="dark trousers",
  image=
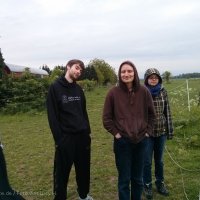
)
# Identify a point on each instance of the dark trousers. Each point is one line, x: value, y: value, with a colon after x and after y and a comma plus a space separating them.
x: 155, y: 148
x: 6, y: 192
x: 74, y: 149
x: 129, y: 160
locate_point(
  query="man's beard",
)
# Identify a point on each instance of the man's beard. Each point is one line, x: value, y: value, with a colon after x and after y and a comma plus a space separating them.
x: 73, y: 77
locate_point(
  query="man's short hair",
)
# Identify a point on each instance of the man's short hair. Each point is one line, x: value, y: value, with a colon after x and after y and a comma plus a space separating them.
x: 75, y: 61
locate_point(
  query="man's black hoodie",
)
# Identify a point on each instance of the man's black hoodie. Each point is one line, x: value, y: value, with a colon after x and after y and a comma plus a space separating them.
x: 66, y: 108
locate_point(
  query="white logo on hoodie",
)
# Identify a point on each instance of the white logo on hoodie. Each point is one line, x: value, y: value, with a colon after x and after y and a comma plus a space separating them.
x: 66, y: 99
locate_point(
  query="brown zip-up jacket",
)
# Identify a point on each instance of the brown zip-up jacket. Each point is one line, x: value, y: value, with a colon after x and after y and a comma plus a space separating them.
x: 129, y: 113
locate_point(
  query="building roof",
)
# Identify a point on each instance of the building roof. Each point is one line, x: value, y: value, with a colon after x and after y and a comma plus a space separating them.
x: 19, y: 68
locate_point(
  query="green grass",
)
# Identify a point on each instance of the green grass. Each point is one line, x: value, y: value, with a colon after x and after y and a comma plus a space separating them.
x: 29, y: 151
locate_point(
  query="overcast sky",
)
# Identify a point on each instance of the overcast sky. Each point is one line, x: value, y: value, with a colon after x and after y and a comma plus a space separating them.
x: 151, y: 33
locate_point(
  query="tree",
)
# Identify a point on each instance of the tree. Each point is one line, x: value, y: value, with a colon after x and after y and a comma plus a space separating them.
x: 167, y: 75
x: 26, y: 74
x: 108, y: 73
x: 60, y: 67
x: 89, y: 73
x: 2, y: 65
x: 56, y: 72
x: 47, y: 69
x: 100, y: 77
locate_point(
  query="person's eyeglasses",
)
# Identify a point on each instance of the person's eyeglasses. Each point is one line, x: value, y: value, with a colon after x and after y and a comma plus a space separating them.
x: 153, y: 77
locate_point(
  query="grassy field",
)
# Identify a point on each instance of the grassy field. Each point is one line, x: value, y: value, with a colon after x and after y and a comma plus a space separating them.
x: 29, y: 150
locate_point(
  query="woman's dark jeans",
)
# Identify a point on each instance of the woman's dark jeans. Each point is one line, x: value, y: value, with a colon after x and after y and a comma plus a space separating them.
x: 129, y: 160
x: 155, y: 148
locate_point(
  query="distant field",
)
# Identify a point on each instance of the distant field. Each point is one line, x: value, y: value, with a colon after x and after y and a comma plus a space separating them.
x: 29, y: 150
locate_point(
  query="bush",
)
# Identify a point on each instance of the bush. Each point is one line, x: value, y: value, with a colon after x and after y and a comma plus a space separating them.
x: 23, y: 94
x: 87, y: 85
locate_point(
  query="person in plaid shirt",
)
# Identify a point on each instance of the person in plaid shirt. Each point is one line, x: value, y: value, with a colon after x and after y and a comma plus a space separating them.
x: 162, y: 130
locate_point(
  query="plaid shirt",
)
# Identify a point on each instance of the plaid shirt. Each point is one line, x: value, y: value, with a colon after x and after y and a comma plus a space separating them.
x: 163, y: 122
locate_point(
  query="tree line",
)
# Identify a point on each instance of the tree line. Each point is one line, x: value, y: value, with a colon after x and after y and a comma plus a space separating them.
x: 188, y: 75
x: 28, y: 92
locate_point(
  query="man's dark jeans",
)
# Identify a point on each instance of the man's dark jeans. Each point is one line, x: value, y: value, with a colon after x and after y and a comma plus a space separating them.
x: 129, y: 160
x: 155, y: 148
x: 74, y: 150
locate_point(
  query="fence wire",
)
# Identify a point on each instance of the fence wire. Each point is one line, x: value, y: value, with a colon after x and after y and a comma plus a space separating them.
x: 181, y: 170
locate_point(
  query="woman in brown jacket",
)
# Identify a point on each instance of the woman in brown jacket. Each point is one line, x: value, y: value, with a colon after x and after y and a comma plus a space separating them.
x: 128, y: 115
